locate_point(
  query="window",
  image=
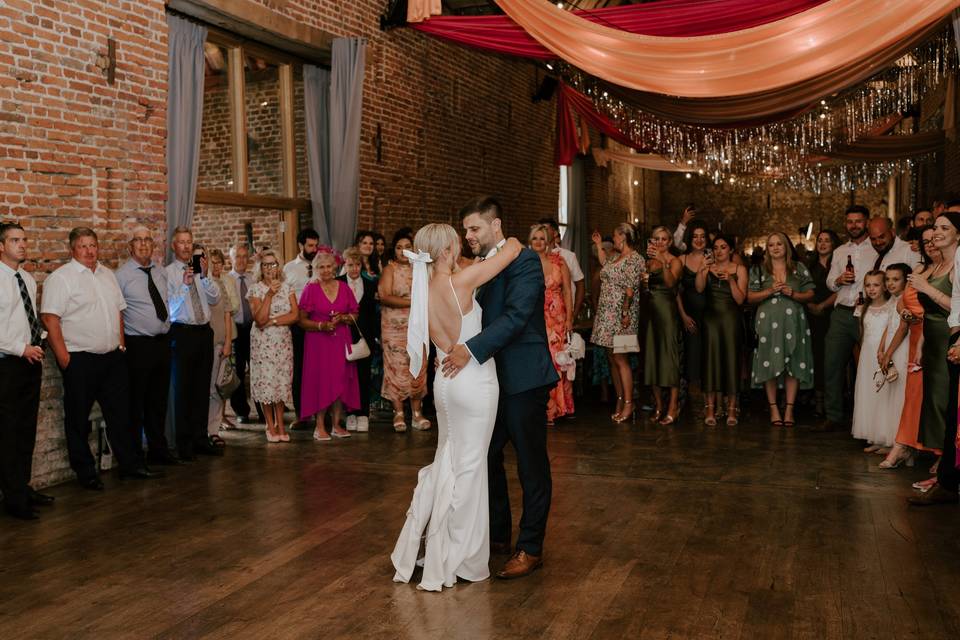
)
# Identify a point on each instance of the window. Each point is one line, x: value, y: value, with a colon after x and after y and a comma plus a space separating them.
x: 252, y: 170
x: 562, y: 206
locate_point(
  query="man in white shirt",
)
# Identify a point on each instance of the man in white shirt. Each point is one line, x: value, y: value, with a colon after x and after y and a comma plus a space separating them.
x: 243, y: 318
x: 189, y: 297
x: 298, y: 272
x: 688, y: 214
x: 21, y: 371
x: 844, y: 332
x: 82, y: 311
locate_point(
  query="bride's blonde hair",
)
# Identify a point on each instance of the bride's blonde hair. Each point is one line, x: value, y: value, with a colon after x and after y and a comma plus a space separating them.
x: 435, y: 239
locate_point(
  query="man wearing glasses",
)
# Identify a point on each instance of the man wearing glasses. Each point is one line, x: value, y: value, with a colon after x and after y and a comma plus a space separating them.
x: 146, y: 326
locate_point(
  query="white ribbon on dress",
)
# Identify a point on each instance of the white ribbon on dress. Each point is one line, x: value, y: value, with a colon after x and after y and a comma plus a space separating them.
x: 418, y: 328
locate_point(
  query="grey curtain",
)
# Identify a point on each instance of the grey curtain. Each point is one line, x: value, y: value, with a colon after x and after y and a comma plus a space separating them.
x: 346, y: 104
x: 577, y: 237
x: 185, y: 68
x: 316, y: 97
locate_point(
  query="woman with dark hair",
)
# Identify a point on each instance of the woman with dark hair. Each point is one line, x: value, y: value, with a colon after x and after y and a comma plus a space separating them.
x: 820, y: 308
x: 691, y: 301
x: 618, y: 309
x: 398, y: 384
x: 911, y: 311
x: 724, y: 283
x: 664, y: 340
x: 365, y: 242
x: 780, y: 288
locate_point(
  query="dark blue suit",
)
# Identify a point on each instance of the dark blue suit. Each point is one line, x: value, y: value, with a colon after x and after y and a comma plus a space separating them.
x: 515, y: 335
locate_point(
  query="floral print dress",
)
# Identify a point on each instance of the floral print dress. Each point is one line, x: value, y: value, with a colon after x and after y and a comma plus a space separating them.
x: 618, y: 275
x: 271, y: 350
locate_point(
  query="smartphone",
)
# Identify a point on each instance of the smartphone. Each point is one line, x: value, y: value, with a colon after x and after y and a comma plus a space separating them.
x: 708, y: 253
x: 197, y: 267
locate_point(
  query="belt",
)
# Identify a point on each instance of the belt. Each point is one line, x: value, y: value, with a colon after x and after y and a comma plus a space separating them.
x: 192, y: 327
x: 845, y: 307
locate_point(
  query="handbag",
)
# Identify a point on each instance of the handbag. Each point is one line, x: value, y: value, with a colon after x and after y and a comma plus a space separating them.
x: 626, y: 343
x: 227, y: 379
x: 359, y: 349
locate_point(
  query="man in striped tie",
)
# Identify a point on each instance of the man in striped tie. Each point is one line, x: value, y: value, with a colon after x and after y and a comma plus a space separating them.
x: 21, y: 369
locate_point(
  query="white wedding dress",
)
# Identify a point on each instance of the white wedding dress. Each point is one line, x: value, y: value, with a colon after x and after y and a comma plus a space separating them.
x: 450, y: 502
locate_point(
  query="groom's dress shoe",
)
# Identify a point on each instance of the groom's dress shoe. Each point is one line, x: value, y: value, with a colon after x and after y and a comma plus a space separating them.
x: 39, y: 499
x: 521, y: 564
x: 500, y: 548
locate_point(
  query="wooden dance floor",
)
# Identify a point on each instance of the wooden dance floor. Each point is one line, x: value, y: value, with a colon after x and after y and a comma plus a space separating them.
x: 684, y: 532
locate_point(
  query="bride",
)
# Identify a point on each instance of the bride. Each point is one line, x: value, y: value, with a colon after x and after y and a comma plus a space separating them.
x: 450, y: 502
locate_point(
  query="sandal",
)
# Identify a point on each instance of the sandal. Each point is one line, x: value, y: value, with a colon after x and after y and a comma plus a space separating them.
x: 776, y: 423
x: 710, y: 421
x: 217, y: 441
x: 788, y: 423
x: 399, y: 422
x: 419, y: 423
x: 616, y: 414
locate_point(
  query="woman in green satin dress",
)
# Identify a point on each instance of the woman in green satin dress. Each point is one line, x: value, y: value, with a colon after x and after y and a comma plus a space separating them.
x: 725, y: 285
x: 663, y: 346
x: 934, y: 287
x: 691, y: 302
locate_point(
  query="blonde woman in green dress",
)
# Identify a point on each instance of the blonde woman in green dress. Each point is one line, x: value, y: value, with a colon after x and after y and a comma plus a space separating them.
x: 780, y: 288
x: 664, y: 337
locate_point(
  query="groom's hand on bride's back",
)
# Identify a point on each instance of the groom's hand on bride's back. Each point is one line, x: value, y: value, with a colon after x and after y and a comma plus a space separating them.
x: 455, y: 361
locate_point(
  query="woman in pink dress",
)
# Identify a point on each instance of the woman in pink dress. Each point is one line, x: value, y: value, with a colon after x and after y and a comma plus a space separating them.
x: 327, y: 308
x: 558, y: 312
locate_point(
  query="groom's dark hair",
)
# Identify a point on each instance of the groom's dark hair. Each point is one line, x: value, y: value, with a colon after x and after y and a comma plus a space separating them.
x: 486, y: 206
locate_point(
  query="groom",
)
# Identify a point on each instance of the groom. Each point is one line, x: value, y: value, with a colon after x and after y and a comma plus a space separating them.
x: 514, y: 334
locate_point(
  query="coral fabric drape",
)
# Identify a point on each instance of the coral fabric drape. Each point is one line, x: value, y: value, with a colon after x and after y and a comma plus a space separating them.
x: 675, y: 18
x: 418, y: 10
x: 796, y: 49
x: 651, y: 161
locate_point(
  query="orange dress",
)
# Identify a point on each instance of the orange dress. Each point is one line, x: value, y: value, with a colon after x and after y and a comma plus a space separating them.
x: 908, y: 432
x: 555, y: 313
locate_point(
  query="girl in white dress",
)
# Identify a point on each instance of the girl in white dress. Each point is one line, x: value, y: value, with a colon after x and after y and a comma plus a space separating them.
x: 894, y: 349
x: 450, y: 503
x: 872, y: 420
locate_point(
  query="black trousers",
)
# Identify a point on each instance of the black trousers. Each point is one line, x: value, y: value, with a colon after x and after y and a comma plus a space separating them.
x: 363, y: 376
x: 192, y: 366
x: 296, y: 333
x: 947, y: 473
x: 102, y: 378
x: 148, y: 359
x: 522, y: 420
x: 241, y: 356
x: 19, y: 404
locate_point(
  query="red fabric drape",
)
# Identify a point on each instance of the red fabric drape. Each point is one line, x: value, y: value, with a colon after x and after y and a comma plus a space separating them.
x: 569, y: 100
x: 675, y: 18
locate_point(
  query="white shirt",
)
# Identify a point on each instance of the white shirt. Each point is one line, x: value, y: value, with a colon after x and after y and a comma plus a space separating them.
x: 900, y: 252
x: 296, y: 273
x: 863, y: 255
x: 88, y: 303
x: 954, y: 318
x: 178, y: 295
x: 14, y: 325
x: 356, y: 285
x: 678, y: 237
x: 493, y: 251
x: 573, y: 265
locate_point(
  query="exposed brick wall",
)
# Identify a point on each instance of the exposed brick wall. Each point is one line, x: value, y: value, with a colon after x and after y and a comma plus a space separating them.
x: 752, y: 214
x: 75, y: 150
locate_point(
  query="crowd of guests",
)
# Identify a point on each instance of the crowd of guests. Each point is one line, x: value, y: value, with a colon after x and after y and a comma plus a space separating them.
x: 681, y: 312
x: 866, y: 327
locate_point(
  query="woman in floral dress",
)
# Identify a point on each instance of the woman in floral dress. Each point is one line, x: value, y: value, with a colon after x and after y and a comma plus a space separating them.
x: 558, y: 312
x: 781, y: 288
x: 274, y: 307
x: 618, y: 310
x: 398, y: 384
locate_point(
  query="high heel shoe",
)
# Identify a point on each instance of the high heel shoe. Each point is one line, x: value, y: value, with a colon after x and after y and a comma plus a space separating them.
x: 271, y: 437
x: 776, y: 423
x: 788, y: 423
x: 710, y: 420
x: 670, y: 419
x: 616, y: 414
x: 732, y: 420
x: 399, y: 422
x: 624, y: 416
x: 908, y: 459
x: 419, y: 423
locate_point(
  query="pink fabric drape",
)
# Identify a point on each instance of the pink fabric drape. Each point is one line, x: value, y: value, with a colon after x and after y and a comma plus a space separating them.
x: 418, y: 10
x: 675, y: 18
x: 796, y: 49
x: 569, y: 100
x: 651, y: 161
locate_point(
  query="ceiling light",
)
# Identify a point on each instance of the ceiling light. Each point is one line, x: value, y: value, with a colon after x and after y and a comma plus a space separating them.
x: 559, y: 5
x: 549, y: 66
x: 688, y: 176
x: 636, y: 183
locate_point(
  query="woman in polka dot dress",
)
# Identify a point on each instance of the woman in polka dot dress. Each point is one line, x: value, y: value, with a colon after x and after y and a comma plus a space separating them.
x: 784, y: 356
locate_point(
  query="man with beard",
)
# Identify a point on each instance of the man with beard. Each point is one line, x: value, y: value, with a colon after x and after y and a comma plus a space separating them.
x: 850, y: 264
x: 298, y: 272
